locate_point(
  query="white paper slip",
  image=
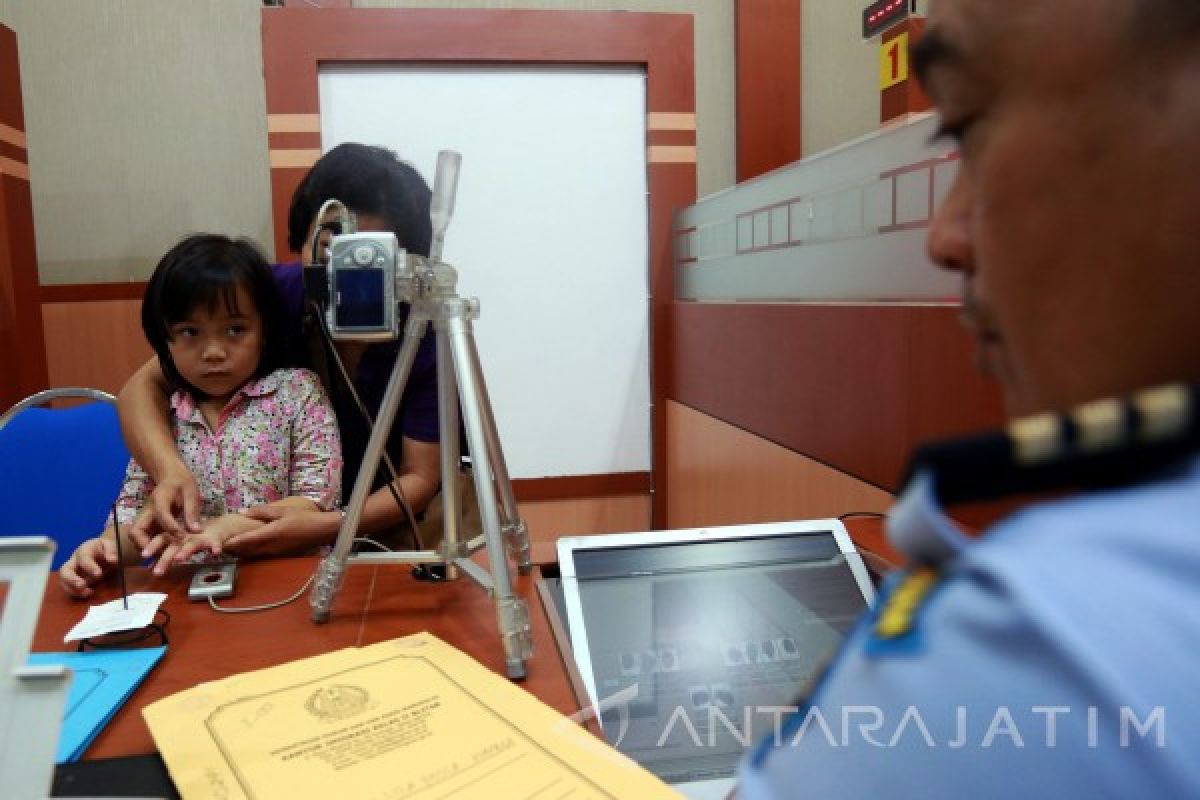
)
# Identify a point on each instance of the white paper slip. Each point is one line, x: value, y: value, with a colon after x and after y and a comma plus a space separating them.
x: 113, y: 616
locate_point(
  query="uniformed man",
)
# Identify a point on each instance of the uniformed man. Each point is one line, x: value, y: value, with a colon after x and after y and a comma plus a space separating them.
x: 1057, y: 655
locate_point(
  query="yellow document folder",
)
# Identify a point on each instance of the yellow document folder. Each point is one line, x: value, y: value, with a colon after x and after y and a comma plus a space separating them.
x: 408, y: 718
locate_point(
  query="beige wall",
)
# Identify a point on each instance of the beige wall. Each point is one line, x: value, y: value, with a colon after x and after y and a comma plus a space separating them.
x: 841, y: 74
x: 146, y: 121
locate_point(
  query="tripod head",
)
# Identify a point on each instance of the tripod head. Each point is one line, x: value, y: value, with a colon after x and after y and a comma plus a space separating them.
x: 441, y: 206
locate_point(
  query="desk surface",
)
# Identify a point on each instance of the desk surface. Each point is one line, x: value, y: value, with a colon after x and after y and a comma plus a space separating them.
x: 375, y: 604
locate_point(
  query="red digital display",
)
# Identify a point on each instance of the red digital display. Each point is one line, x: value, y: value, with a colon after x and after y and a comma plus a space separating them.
x: 882, y: 14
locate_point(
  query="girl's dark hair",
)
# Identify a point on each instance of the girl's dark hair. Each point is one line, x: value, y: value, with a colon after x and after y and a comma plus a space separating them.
x: 367, y: 180
x: 201, y: 271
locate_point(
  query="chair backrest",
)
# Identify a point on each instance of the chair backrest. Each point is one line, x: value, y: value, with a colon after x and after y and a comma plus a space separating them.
x: 60, y: 468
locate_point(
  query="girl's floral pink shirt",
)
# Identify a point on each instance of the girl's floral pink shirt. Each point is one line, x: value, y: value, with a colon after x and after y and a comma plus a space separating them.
x: 277, y: 437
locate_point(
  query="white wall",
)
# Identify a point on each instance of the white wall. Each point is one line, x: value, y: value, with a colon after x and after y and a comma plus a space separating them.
x: 550, y: 232
x: 715, y: 64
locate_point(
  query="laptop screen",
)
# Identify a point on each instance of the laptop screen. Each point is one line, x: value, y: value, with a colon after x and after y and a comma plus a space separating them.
x: 697, y: 644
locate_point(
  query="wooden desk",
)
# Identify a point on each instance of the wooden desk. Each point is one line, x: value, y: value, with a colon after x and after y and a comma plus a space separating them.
x: 871, y: 540
x: 376, y: 603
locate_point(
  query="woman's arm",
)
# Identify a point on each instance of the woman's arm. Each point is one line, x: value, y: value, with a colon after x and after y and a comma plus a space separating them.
x: 420, y: 476
x: 234, y: 534
x: 143, y: 406
x: 418, y: 480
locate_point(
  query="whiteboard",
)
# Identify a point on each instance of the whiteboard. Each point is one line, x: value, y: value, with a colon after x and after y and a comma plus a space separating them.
x: 550, y: 232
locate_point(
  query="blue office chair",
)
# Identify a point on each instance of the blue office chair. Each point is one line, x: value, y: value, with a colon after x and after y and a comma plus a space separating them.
x: 60, y: 468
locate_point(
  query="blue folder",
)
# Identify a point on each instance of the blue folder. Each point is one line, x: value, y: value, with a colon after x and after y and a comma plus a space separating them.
x: 100, y: 682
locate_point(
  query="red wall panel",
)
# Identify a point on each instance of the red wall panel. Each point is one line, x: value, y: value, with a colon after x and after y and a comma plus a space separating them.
x: 768, y: 85
x: 854, y: 387
x: 22, y: 344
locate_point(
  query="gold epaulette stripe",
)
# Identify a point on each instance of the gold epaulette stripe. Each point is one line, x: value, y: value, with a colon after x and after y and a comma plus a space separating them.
x: 896, y: 618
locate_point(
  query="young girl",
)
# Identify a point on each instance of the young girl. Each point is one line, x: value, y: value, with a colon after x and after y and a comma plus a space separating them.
x: 251, y: 431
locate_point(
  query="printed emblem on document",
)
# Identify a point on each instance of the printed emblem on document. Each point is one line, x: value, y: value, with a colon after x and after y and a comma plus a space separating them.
x: 337, y: 702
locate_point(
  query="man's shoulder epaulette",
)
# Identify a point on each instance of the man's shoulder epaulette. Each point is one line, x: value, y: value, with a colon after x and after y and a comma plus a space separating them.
x: 894, y: 624
x: 1110, y: 442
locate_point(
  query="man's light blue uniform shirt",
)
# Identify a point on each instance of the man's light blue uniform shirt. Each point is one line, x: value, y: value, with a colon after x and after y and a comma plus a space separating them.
x: 1058, y: 656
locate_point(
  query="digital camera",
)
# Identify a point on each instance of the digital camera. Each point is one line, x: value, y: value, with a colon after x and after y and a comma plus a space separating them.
x: 357, y: 287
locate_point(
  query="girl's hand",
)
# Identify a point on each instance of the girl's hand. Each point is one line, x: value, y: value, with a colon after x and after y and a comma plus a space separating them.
x: 211, y: 540
x: 87, y: 566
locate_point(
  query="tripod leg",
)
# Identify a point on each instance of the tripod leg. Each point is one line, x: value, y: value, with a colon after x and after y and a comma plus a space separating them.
x: 511, y: 613
x: 333, y: 567
x: 450, y: 455
x: 513, y: 527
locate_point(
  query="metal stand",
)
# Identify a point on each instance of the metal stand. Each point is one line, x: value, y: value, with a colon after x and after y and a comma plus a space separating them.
x: 32, y: 699
x: 431, y: 289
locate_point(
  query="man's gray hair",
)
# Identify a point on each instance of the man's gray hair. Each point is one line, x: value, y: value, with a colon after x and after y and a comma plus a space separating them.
x: 1167, y: 19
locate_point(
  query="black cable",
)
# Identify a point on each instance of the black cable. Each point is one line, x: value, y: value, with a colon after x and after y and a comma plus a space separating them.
x: 850, y: 514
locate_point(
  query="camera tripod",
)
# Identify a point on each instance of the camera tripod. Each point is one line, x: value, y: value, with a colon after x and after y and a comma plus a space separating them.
x: 430, y: 287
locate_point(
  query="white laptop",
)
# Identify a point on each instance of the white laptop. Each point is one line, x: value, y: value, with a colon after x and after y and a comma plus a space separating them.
x: 688, y: 641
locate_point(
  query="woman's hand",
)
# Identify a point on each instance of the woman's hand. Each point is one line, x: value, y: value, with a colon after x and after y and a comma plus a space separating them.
x: 173, y: 512
x: 286, y: 529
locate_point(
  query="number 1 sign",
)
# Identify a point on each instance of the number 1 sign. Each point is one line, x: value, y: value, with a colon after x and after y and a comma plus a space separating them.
x: 893, y: 61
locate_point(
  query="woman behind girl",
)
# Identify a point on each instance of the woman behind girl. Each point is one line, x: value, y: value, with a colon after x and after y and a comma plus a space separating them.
x: 251, y: 431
